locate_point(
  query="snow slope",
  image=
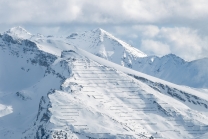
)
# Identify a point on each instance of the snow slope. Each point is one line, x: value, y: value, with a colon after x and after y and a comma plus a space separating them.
x: 174, y: 69
x: 101, y: 43
x: 169, y: 67
x: 58, y: 93
x: 105, y: 45
x: 19, y: 32
x: 22, y: 84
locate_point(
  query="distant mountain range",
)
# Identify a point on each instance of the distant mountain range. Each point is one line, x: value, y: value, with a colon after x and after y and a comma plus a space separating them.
x: 86, y: 86
x: 101, y: 43
x: 170, y: 67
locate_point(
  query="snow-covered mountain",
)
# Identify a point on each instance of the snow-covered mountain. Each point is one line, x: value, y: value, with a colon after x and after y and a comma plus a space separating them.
x: 51, y: 89
x: 174, y: 69
x: 101, y: 43
x: 169, y: 67
x: 19, y: 32
x: 105, y: 45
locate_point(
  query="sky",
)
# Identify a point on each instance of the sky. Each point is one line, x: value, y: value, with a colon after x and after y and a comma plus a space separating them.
x: 156, y: 27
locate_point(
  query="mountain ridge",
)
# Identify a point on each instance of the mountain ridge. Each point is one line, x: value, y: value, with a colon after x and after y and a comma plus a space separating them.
x: 105, y: 45
x: 75, y: 87
x: 19, y: 32
x: 101, y: 43
x: 145, y: 63
x: 176, y: 70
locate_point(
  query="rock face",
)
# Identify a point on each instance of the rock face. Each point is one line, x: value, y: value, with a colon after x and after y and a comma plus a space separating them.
x: 72, y: 94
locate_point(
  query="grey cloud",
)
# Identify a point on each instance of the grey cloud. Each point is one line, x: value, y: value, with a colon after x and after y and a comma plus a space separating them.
x: 108, y: 11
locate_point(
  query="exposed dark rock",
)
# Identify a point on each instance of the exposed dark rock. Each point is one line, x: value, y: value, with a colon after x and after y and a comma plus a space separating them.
x: 22, y: 96
x: 9, y: 39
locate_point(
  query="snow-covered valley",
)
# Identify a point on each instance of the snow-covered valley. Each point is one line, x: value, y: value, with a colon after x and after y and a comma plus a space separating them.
x: 50, y: 88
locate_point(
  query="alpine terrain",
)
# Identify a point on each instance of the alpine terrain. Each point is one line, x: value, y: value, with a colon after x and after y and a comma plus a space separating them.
x: 170, y: 67
x: 84, y: 87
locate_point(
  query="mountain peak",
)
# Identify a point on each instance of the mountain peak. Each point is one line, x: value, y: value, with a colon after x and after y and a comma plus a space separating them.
x: 99, y: 30
x: 173, y: 57
x: 19, y: 32
x: 102, y: 32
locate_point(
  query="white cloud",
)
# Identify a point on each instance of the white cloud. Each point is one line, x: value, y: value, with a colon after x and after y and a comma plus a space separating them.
x: 177, y: 26
x: 148, y: 31
x: 155, y: 47
x: 185, y: 42
x: 102, y: 11
x: 38, y: 11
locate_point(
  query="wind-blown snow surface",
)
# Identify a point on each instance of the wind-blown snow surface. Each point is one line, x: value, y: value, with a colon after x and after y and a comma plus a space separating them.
x: 170, y: 67
x: 46, y: 93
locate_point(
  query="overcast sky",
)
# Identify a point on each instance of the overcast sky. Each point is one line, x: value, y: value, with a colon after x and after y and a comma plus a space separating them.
x: 156, y: 27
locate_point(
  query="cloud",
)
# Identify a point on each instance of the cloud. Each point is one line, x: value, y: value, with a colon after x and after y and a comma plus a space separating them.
x: 38, y: 12
x: 154, y: 26
x: 188, y: 43
x: 102, y: 12
x: 185, y: 42
x: 155, y: 47
x: 148, y: 31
